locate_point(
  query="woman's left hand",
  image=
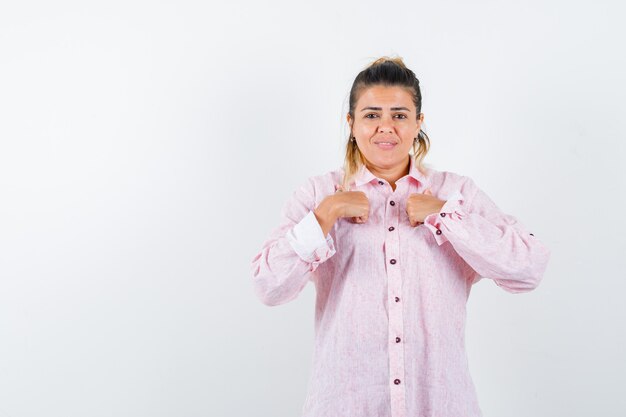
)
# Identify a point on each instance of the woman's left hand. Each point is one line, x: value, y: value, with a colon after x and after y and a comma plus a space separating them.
x: 419, y: 206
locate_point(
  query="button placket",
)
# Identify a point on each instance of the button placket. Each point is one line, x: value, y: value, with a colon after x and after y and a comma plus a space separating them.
x: 395, y: 311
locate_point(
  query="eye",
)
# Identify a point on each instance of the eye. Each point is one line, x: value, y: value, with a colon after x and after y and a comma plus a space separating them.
x: 402, y: 115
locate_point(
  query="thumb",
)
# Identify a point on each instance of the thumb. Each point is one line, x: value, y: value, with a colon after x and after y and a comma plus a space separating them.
x: 427, y: 192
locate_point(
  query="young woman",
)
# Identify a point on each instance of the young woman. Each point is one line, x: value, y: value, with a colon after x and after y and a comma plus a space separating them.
x: 393, y: 249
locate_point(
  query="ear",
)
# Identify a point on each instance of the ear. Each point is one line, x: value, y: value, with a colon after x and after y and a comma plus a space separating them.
x: 420, y: 119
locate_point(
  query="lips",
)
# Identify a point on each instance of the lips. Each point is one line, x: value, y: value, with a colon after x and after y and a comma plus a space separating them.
x: 387, y: 141
x: 385, y: 145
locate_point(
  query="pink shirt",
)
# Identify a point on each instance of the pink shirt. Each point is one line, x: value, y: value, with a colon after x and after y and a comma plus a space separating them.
x: 391, y: 298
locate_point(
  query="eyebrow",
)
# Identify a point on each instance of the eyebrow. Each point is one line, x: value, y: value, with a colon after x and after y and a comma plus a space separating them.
x: 380, y: 108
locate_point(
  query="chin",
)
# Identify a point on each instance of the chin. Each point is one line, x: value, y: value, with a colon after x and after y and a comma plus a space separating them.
x: 385, y: 162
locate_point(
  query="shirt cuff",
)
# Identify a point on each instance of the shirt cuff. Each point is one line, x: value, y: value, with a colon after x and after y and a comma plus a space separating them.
x: 307, y: 240
x: 446, y: 220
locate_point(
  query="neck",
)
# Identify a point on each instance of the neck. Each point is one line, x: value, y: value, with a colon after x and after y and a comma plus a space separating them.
x: 391, y: 174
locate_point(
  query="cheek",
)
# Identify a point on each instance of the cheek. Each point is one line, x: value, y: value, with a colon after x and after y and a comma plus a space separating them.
x: 365, y: 128
x: 406, y: 147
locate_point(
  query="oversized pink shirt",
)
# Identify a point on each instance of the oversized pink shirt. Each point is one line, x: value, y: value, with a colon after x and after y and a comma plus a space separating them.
x: 391, y: 298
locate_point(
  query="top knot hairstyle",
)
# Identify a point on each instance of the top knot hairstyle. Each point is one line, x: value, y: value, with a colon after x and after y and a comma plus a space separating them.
x: 387, y: 72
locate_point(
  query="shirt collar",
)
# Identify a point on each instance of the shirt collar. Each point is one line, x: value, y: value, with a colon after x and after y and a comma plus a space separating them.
x: 364, y: 175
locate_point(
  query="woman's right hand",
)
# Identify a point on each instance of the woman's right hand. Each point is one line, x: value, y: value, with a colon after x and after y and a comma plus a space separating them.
x: 353, y: 204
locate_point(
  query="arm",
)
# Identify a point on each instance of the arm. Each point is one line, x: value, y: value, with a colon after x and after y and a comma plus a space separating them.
x: 493, y: 243
x: 293, y: 251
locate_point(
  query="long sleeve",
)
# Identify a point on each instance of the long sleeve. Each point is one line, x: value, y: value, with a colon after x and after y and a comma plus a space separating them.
x: 293, y: 251
x: 495, y: 244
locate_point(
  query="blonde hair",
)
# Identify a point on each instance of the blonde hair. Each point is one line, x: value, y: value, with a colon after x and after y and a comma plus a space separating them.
x: 388, y: 72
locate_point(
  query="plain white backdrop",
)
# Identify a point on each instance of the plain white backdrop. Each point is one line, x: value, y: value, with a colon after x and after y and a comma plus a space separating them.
x: 146, y: 149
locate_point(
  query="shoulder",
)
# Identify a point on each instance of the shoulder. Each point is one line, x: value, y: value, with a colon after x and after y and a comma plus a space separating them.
x: 317, y: 187
x: 448, y: 183
x: 440, y: 178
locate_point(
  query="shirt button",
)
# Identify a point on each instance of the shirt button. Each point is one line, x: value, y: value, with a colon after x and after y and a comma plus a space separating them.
x: 391, y: 229
x: 396, y: 381
x: 397, y: 340
x: 392, y: 262
x: 438, y: 232
x: 380, y: 182
x: 393, y: 203
x: 397, y: 299
x: 443, y: 214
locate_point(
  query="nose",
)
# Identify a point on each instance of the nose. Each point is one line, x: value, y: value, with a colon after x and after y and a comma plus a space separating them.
x: 385, y: 124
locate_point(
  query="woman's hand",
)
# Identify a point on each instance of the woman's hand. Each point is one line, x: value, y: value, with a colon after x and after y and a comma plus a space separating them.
x: 353, y: 204
x: 419, y: 206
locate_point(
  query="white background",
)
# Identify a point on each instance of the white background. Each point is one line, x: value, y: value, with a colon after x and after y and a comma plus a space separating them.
x: 147, y: 148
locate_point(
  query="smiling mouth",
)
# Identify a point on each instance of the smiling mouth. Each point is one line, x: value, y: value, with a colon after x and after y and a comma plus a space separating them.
x: 385, y: 145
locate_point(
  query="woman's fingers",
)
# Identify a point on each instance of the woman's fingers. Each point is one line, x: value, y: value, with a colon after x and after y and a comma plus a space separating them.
x: 415, y: 224
x: 351, y: 203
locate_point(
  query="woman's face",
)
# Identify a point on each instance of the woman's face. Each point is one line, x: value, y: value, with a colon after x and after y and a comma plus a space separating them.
x: 385, y: 125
